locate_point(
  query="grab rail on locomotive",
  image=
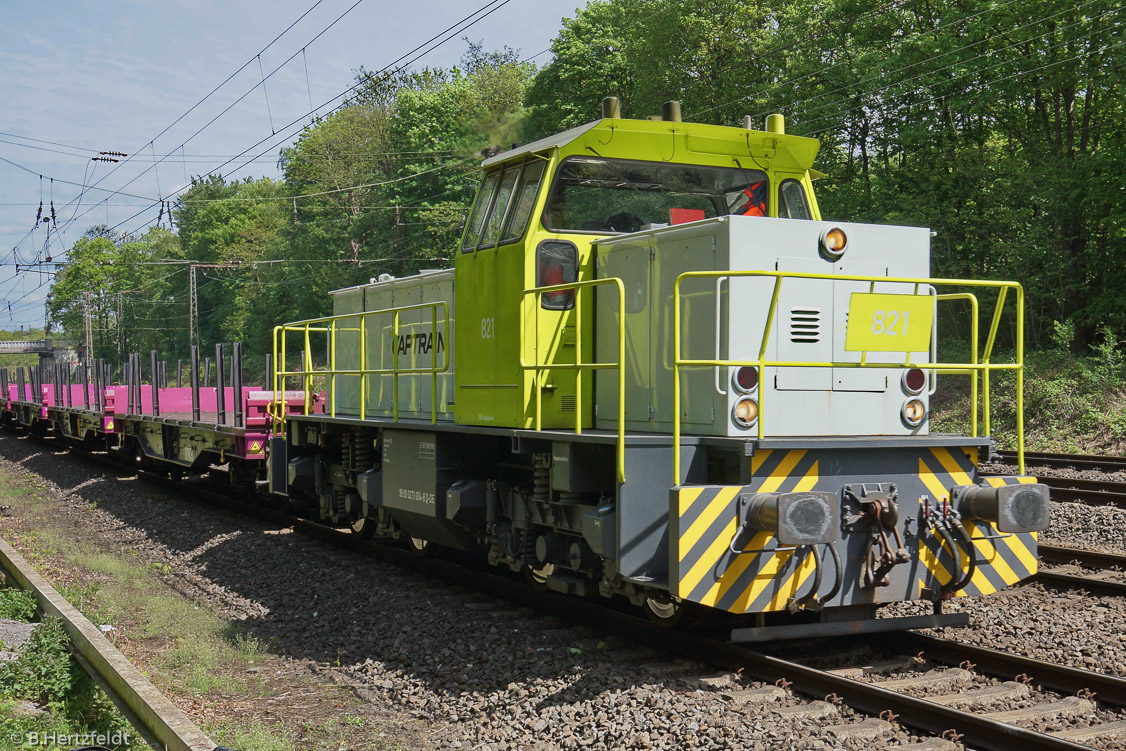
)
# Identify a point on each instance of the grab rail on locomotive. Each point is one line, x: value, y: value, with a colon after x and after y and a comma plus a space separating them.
x: 924, y: 308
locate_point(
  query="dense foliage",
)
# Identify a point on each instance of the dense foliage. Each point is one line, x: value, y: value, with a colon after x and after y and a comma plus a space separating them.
x: 997, y: 123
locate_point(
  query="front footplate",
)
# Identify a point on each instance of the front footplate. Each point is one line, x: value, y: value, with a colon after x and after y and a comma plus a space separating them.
x: 847, y: 628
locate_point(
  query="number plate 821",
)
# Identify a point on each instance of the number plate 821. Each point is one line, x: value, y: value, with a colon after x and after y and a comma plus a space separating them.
x: 889, y: 323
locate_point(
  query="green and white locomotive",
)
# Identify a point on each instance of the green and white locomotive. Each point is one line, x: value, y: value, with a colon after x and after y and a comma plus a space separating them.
x: 654, y: 371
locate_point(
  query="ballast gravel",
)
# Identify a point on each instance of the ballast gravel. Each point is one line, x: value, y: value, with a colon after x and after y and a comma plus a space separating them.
x: 1077, y: 524
x: 474, y: 674
x: 492, y: 676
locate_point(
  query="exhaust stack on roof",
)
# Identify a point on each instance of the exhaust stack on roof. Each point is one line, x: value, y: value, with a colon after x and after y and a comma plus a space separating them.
x: 670, y: 111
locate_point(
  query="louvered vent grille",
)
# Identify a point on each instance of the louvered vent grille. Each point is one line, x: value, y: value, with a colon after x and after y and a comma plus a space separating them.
x: 805, y: 325
x: 566, y: 404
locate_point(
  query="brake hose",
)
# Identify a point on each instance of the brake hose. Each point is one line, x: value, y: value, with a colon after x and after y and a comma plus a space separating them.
x: 956, y: 551
x: 972, y: 567
x: 839, y: 578
x: 812, y: 594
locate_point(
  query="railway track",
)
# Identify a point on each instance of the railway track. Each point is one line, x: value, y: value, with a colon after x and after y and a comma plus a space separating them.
x: 1064, y: 461
x: 885, y: 688
x: 1093, y: 492
x: 1073, y: 568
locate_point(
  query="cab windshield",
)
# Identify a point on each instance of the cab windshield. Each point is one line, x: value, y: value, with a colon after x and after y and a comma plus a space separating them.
x: 592, y: 194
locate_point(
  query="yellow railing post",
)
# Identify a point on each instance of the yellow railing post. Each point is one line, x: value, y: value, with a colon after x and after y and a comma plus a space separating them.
x: 332, y: 365
x: 762, y: 349
x: 433, y: 365
x: 988, y: 354
x: 974, y: 374
x: 676, y: 379
x: 578, y: 361
x: 307, y: 372
x: 395, y: 366
x: 363, y: 367
x: 537, y: 367
x: 1020, y: 379
x: 275, y: 399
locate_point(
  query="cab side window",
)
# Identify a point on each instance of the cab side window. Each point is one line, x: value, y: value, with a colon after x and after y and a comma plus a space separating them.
x: 493, y: 225
x: 526, y: 199
x: 480, y: 210
x: 792, y: 203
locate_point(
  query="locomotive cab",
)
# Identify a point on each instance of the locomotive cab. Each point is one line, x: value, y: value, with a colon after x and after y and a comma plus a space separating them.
x: 539, y: 210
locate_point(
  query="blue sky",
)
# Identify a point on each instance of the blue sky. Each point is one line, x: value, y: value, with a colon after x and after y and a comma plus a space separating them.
x: 111, y: 76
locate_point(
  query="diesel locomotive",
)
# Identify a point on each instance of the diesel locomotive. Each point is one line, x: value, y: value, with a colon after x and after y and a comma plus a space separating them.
x: 655, y: 372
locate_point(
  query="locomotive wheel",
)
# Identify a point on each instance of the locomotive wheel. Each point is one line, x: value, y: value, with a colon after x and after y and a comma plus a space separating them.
x: 668, y: 611
x: 364, y: 527
x: 537, y: 577
x: 419, y: 546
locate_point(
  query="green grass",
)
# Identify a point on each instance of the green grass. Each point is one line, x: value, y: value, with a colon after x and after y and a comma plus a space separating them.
x: 48, y: 676
x: 16, y: 604
x: 191, y: 649
x: 253, y: 736
x: 1072, y: 403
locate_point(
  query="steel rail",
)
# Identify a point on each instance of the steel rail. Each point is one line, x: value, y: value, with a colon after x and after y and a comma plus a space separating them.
x: 1095, y: 586
x: 1060, y: 678
x: 1091, y: 558
x: 156, y: 719
x: 1088, y: 559
x: 1092, y: 492
x: 1050, y: 459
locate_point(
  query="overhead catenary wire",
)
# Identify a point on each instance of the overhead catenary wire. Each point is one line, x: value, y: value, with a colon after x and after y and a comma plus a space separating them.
x: 457, y: 28
x: 213, y: 91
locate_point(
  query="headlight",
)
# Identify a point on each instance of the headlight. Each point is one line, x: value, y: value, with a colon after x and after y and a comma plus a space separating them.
x: 834, y: 243
x: 914, y: 411
x: 744, y: 413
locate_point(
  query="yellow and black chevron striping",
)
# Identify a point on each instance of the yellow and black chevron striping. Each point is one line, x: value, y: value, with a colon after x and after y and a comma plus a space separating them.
x: 758, y: 576
x: 1002, y: 559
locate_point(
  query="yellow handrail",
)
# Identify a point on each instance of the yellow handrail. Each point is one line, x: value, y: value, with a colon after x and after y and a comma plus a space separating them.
x: 985, y: 367
x: 329, y: 325
x: 542, y: 369
x: 973, y: 352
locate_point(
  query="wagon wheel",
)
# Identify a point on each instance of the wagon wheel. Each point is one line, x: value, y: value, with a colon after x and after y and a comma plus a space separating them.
x: 420, y: 546
x: 538, y: 577
x: 668, y: 611
x: 364, y: 527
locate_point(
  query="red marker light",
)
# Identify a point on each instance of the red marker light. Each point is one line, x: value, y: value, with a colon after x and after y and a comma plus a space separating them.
x: 745, y: 379
x: 914, y: 380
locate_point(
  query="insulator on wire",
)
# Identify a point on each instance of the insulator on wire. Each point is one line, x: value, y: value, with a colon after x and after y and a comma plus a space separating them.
x: 39, y: 214
x: 160, y: 217
x: 53, y: 220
